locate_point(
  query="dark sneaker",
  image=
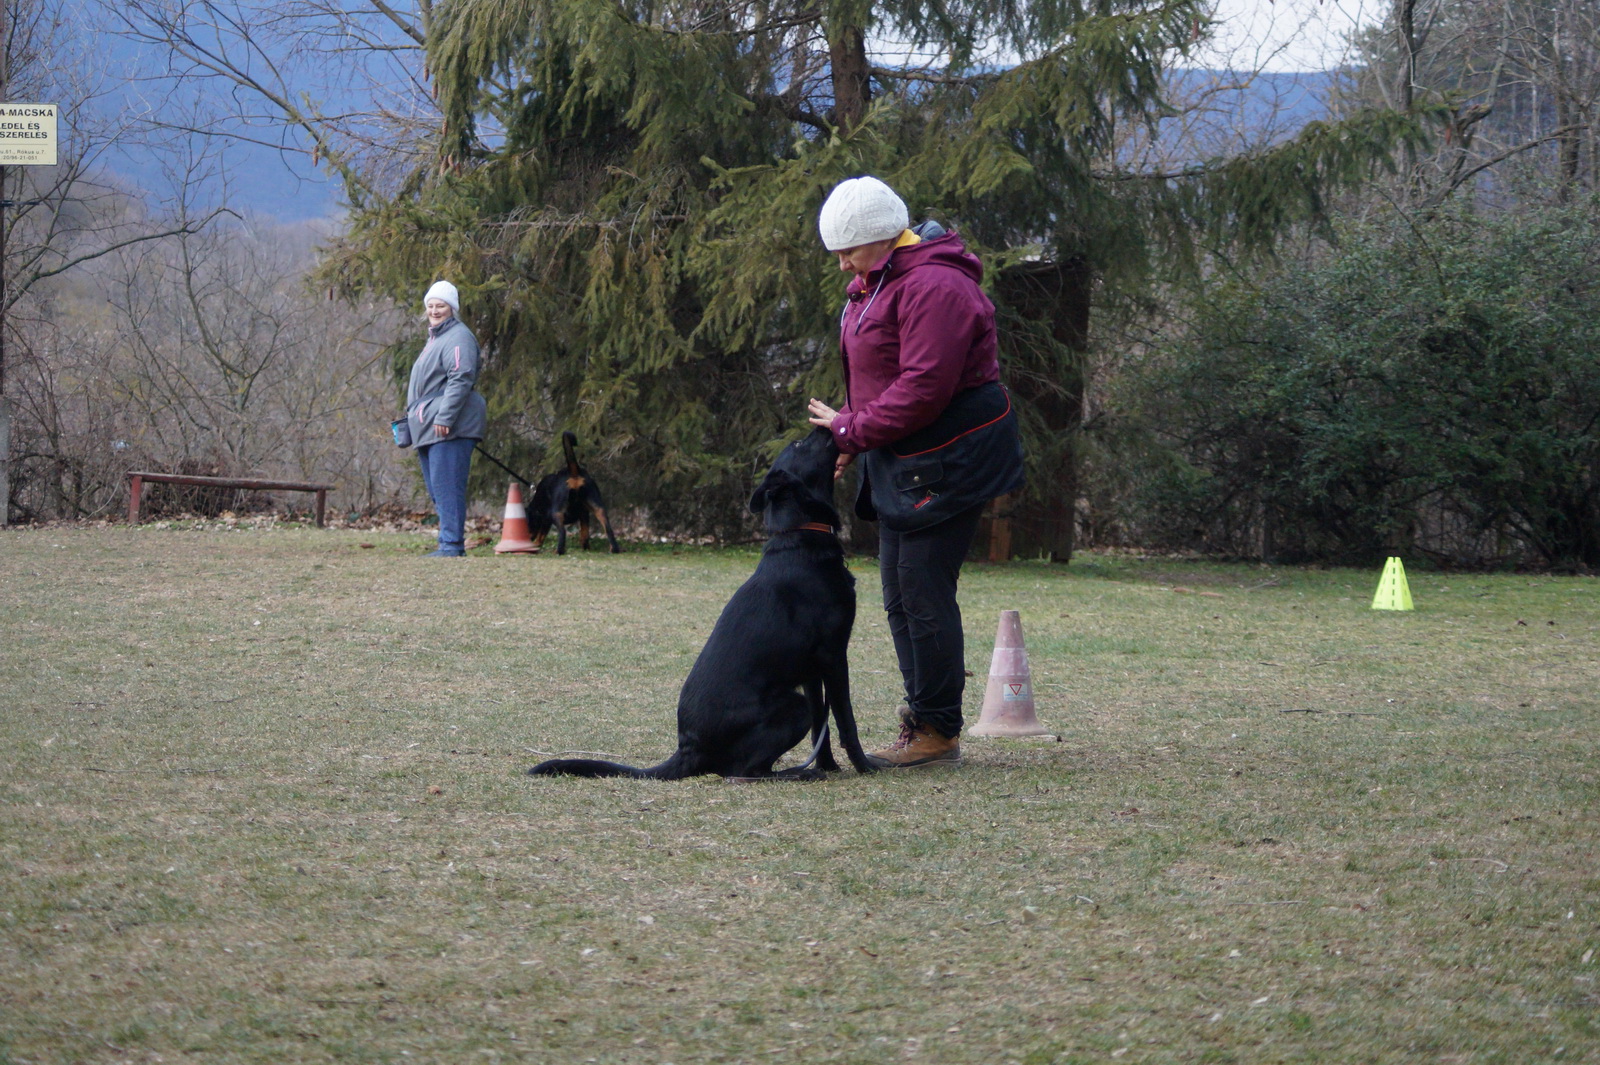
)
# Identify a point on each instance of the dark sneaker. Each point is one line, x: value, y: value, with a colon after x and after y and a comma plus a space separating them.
x: 442, y: 553
x: 918, y: 745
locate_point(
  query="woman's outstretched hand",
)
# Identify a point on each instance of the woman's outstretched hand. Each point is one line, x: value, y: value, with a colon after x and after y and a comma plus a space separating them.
x: 821, y: 414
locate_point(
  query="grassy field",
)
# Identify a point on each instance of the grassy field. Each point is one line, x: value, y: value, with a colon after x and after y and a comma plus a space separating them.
x: 262, y: 800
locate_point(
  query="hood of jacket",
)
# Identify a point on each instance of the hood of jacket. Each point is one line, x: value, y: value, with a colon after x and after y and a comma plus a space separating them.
x: 945, y: 249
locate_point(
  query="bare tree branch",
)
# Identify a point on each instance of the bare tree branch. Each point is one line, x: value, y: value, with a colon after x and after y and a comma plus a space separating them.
x: 89, y: 257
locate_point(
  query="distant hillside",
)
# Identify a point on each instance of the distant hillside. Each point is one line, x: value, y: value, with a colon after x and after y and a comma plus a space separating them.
x: 1292, y: 98
x: 1239, y: 110
x: 253, y: 179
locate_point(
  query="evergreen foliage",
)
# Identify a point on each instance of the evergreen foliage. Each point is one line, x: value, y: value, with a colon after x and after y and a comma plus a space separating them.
x: 627, y: 191
x: 1430, y: 389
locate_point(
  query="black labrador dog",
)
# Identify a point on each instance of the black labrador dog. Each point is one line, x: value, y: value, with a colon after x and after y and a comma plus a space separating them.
x: 776, y: 660
x: 568, y: 497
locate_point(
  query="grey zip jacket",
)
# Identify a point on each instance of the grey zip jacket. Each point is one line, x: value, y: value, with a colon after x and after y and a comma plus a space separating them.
x: 441, y: 390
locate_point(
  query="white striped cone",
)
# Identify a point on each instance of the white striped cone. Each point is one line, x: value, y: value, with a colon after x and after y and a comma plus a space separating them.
x: 1008, y: 698
x: 514, y: 538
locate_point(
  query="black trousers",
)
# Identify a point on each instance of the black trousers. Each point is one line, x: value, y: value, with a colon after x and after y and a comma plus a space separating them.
x: 920, y: 571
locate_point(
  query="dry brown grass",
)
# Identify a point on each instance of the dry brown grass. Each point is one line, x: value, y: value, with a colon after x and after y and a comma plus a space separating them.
x: 262, y: 801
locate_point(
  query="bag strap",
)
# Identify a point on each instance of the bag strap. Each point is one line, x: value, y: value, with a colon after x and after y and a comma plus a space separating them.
x: 961, y: 433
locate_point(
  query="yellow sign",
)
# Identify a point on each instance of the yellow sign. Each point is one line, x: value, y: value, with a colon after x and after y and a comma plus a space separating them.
x: 28, y: 134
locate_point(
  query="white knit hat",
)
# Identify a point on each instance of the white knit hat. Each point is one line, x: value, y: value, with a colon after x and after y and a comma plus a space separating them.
x: 444, y: 290
x: 860, y: 211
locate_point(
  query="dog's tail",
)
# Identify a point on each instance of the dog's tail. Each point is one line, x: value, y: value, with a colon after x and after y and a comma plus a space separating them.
x: 569, y: 447
x: 671, y: 769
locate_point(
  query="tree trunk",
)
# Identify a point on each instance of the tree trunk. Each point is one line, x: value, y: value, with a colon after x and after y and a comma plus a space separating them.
x: 1048, y: 389
x: 1569, y: 145
x: 5, y: 461
x: 852, y: 87
x: 1405, y: 30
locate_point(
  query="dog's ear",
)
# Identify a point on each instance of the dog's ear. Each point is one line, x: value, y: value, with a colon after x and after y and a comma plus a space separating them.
x: 773, y: 483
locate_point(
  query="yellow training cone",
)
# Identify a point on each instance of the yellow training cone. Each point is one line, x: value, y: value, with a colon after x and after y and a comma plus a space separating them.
x: 1393, y: 591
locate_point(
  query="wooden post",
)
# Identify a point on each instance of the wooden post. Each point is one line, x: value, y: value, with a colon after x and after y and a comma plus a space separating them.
x: 5, y: 404
x: 135, y: 487
x: 1000, y: 529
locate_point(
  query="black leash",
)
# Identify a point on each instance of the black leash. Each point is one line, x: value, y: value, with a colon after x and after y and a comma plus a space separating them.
x: 526, y: 483
x: 822, y: 739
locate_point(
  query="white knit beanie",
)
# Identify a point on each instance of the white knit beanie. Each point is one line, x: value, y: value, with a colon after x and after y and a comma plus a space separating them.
x: 860, y: 211
x: 444, y: 290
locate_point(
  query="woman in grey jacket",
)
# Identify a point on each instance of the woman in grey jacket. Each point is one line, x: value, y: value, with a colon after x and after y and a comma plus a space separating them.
x: 446, y: 414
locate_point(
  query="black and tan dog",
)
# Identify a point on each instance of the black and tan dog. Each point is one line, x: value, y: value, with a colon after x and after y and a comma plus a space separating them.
x: 776, y: 662
x: 568, y: 497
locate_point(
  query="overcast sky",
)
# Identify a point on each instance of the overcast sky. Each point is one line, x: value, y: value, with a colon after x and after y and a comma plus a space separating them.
x: 1287, y: 34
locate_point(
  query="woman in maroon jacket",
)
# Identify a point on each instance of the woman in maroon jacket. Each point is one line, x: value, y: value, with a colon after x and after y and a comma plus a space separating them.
x: 925, y: 408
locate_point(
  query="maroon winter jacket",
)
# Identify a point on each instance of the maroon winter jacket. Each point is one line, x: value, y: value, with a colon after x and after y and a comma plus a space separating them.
x: 914, y: 333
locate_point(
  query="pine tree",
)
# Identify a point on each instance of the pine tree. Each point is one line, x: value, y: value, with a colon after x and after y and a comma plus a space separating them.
x: 627, y: 194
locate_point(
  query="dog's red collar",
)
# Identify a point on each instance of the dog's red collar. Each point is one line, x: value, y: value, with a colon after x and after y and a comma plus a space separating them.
x: 814, y: 526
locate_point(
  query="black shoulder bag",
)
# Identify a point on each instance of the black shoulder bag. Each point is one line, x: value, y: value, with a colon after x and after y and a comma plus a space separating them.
x: 970, y: 454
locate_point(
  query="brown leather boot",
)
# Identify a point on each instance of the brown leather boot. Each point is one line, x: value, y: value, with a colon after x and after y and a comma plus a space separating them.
x: 917, y: 745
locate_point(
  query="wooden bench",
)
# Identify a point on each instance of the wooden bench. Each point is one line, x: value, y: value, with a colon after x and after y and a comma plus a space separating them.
x: 137, y: 478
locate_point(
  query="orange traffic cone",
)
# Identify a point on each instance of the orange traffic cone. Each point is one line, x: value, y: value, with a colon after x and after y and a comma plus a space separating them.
x: 514, y: 538
x: 1008, y: 698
